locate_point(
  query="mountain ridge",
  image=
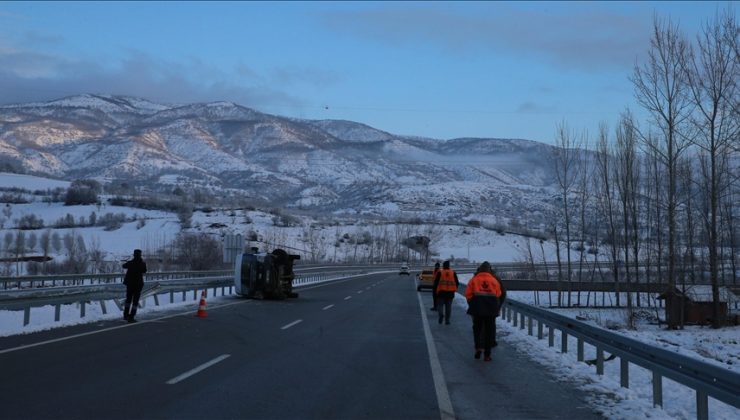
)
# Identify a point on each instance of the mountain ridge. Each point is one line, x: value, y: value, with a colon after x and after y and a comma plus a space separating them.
x: 336, y: 165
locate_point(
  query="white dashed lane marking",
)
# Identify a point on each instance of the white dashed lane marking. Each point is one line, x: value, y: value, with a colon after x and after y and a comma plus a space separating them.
x: 327, y: 307
x: 192, y: 372
x: 285, y: 327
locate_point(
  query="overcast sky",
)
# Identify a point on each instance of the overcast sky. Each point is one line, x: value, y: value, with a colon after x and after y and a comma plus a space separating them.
x: 433, y: 69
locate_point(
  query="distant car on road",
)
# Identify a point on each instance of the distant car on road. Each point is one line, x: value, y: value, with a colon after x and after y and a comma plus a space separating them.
x: 425, y: 279
x: 404, y: 270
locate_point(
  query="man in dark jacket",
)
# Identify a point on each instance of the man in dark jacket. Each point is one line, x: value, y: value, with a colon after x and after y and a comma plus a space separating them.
x: 134, y: 281
x: 485, y: 295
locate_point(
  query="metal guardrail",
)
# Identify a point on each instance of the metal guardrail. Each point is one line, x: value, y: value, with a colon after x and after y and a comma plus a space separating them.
x: 706, y: 379
x: 62, y: 280
x: 25, y: 299
x: 22, y: 282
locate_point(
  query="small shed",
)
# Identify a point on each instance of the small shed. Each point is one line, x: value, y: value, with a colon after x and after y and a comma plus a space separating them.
x: 695, y: 306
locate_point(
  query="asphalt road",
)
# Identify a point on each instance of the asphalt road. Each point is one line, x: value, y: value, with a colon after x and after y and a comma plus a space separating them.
x: 359, y: 348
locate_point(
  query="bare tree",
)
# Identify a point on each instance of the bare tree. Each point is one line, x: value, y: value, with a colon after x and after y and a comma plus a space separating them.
x: 198, y: 251
x: 33, y: 240
x: 20, y: 249
x: 56, y: 242
x: 584, y: 200
x: 45, y: 243
x: 661, y: 88
x: 77, y: 258
x: 627, y: 176
x: 607, y: 200
x: 96, y: 255
x: 8, y: 242
x: 713, y: 81
x: 566, y: 172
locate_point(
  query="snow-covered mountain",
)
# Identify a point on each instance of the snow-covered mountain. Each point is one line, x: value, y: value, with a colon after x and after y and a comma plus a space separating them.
x: 322, y: 165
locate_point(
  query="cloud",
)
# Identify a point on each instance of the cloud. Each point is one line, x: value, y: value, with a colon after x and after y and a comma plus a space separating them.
x: 579, y: 39
x: 530, y: 107
x: 37, y: 38
x: 27, y: 76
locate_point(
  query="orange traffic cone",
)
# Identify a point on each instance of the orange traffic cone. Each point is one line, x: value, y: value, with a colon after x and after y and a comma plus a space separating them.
x: 202, y: 307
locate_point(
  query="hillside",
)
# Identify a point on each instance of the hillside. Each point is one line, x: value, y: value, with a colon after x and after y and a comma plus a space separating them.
x: 338, y: 240
x: 321, y: 166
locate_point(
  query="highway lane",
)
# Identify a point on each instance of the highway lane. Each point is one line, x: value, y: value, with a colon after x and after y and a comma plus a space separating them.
x: 363, y: 357
x: 348, y: 349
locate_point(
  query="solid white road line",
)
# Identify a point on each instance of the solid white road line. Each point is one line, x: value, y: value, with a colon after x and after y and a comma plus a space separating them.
x: 440, y: 386
x: 327, y: 307
x: 192, y: 372
x: 285, y: 327
x: 348, y: 298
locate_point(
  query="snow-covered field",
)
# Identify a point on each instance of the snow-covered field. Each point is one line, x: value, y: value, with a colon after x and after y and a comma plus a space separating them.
x: 151, y: 229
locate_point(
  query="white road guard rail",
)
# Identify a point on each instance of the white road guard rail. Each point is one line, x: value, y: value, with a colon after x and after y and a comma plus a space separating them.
x: 706, y: 379
x: 94, y: 291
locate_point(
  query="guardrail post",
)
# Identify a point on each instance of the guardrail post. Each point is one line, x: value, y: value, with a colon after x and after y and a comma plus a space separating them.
x: 184, y: 298
x: 102, y: 307
x: 521, y: 319
x: 624, y: 372
x: 563, y: 342
x: 550, y: 336
x: 26, y: 315
x: 540, y: 330
x: 702, y: 406
x: 657, y: 389
x: 529, y: 325
x: 172, y: 297
x: 599, y: 361
x: 515, y: 319
x: 82, y: 309
x: 57, y: 310
x: 156, y: 300
x: 580, y: 349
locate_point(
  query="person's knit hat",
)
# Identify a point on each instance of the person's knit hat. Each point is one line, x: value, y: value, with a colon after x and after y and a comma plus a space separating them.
x: 485, y: 267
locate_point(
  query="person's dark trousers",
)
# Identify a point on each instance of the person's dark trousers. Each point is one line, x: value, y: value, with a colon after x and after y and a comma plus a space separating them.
x: 484, y: 333
x: 444, y: 308
x: 132, y: 301
x: 434, y: 300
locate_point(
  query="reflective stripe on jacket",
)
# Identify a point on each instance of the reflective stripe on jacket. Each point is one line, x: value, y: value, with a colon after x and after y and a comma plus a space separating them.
x: 446, y: 281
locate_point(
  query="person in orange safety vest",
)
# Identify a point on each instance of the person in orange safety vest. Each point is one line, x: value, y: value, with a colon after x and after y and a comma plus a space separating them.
x: 485, y: 295
x: 445, y: 286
